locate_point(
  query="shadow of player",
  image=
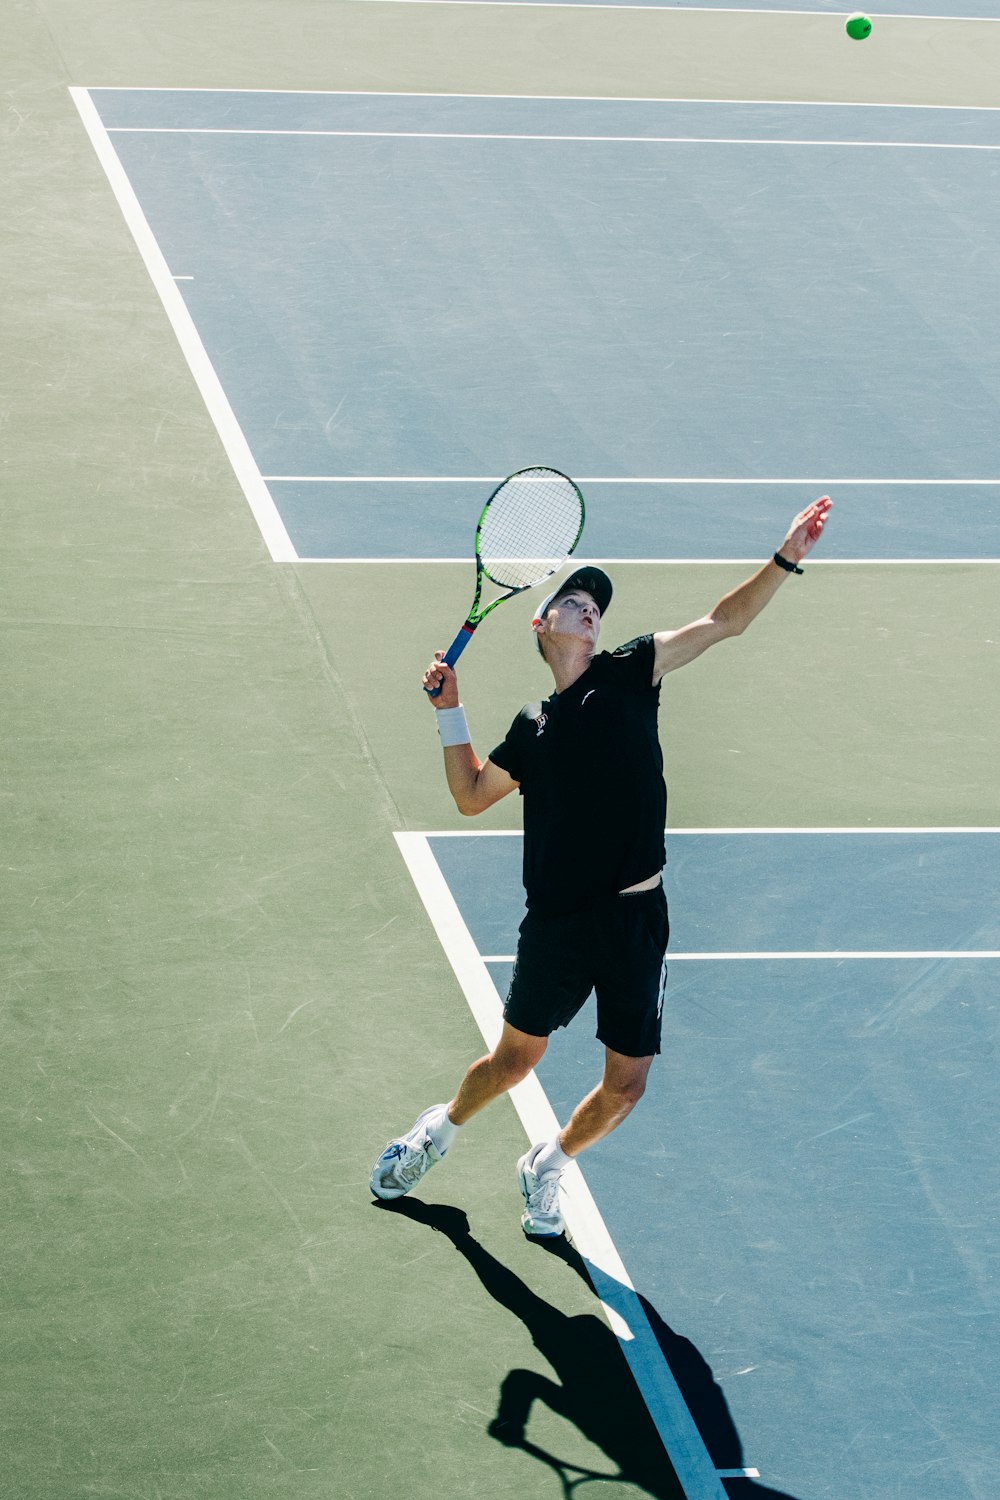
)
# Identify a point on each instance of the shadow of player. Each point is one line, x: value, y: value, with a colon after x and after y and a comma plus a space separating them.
x: 593, y: 1387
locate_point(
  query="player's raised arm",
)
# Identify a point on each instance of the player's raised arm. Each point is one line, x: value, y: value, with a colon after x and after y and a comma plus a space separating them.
x: 474, y: 784
x: 735, y: 610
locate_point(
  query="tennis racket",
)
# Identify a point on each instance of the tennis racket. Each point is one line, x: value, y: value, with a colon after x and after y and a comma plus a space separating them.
x: 529, y: 526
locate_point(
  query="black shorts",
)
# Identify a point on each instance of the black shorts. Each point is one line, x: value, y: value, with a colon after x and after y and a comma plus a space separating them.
x: 617, y: 949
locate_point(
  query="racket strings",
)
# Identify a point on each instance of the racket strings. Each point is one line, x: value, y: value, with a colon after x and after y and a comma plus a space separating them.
x: 529, y: 528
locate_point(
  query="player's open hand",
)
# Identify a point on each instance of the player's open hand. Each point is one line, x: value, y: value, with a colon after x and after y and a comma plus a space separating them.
x: 806, y: 530
x: 437, y: 673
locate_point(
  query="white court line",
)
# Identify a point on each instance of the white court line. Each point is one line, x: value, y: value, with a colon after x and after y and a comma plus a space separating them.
x: 680, y: 833
x: 678, y: 1432
x: 834, y: 956
x: 595, y: 479
x: 604, y: 479
x: 235, y: 444
x: 684, y: 562
x: 482, y: 135
x: 702, y: 10
x: 119, y: 88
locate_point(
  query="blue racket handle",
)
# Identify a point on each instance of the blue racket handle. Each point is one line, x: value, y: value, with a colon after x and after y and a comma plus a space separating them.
x: 452, y: 654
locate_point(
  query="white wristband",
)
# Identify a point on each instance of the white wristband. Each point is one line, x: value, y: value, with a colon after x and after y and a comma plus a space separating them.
x: 452, y: 726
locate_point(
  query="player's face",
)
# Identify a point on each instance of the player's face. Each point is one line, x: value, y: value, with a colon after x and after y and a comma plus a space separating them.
x: 575, y: 613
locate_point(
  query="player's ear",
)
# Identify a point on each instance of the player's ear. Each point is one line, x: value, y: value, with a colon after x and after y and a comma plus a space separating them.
x: 538, y: 630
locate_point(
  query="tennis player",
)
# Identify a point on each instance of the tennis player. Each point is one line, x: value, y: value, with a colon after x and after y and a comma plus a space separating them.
x: 588, y: 764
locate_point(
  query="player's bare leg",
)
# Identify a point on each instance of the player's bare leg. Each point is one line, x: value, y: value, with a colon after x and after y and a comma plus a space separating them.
x: 615, y: 1097
x: 512, y: 1059
x: 405, y: 1160
x: 538, y: 1171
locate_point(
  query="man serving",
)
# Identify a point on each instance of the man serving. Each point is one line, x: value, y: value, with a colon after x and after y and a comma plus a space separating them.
x: 588, y: 764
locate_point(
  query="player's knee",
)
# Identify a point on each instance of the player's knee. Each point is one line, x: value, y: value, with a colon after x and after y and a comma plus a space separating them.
x: 626, y: 1092
x: 634, y: 1092
x: 514, y: 1066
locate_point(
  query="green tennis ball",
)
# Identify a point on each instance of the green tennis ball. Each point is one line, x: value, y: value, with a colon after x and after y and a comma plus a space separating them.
x: 858, y: 27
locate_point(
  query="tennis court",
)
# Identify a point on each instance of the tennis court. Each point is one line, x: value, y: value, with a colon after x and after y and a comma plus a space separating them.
x: 293, y: 295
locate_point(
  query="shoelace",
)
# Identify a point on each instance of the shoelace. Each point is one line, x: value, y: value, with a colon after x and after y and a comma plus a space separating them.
x: 546, y: 1195
x: 412, y: 1161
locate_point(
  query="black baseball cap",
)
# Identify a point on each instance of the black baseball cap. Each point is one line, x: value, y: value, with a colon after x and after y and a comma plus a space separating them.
x: 593, y: 580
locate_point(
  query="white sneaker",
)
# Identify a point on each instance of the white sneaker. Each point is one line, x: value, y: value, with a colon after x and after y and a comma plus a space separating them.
x: 542, y: 1217
x: 405, y: 1160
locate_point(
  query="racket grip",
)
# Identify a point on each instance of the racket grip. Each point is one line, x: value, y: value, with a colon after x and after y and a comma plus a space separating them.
x: 452, y: 654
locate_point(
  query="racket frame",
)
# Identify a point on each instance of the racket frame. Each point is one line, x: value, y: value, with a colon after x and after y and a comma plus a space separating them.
x: 476, y: 615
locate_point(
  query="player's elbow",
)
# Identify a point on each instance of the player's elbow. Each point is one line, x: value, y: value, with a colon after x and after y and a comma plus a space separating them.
x: 728, y: 624
x: 474, y: 793
x: 469, y: 799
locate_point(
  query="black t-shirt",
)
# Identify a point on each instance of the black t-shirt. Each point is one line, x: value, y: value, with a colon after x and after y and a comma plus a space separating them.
x: 590, y: 769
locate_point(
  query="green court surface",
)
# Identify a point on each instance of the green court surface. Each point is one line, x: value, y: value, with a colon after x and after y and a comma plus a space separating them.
x: 220, y: 991
x: 854, y: 700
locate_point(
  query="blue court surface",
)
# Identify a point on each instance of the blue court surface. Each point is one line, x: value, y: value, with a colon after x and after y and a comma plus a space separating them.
x: 693, y: 308
x: 808, y: 1195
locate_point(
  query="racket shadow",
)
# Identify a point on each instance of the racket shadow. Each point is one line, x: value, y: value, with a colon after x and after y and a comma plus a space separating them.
x: 592, y: 1387
x: 693, y: 1375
